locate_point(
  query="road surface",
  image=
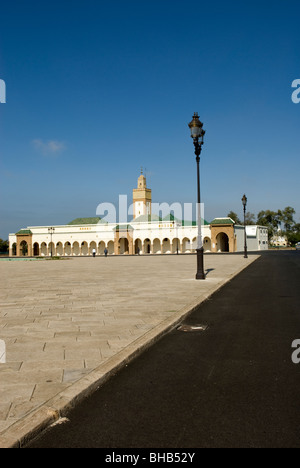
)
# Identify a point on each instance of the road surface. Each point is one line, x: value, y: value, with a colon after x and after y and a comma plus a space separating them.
x: 233, y: 385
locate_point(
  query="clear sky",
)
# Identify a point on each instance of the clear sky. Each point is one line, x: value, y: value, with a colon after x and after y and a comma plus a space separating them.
x: 97, y: 89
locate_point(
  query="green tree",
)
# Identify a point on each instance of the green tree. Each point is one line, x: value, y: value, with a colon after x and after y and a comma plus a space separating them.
x: 4, y: 246
x: 269, y: 219
x: 293, y: 238
x: 294, y: 235
x: 287, y: 219
x: 250, y: 219
x: 234, y: 217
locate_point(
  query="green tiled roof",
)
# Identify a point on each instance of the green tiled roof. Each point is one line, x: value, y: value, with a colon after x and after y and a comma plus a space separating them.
x: 146, y: 219
x: 194, y: 223
x: 123, y: 227
x: 23, y: 232
x: 222, y: 222
x: 170, y: 217
x: 78, y: 221
x: 189, y: 223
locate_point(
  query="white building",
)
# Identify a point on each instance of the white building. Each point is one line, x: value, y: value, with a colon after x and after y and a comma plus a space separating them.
x: 279, y: 239
x: 146, y: 234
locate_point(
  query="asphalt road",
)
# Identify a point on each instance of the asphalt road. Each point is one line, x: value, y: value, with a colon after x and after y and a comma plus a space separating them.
x: 234, y: 385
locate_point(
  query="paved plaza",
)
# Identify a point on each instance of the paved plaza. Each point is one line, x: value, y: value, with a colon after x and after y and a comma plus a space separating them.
x: 68, y: 324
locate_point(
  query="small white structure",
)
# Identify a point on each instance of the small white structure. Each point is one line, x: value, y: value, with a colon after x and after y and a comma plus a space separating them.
x: 279, y: 239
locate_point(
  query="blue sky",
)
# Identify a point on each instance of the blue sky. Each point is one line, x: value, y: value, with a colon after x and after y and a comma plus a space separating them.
x: 97, y: 89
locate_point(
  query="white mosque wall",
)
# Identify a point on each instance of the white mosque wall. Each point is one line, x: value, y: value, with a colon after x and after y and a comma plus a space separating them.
x: 153, y: 238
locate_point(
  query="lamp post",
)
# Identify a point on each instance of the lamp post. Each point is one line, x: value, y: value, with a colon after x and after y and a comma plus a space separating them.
x: 197, y: 133
x: 244, y: 201
x: 51, y: 232
x: 177, y: 240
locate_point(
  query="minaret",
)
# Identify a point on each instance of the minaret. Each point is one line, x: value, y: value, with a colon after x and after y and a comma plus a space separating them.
x: 142, y: 198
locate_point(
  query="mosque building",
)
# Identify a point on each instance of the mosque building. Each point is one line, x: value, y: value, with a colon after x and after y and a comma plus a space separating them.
x: 146, y: 234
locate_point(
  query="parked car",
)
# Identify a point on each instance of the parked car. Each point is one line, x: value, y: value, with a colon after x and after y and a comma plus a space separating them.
x: 298, y: 246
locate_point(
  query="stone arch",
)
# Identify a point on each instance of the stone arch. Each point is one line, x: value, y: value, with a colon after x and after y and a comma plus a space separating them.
x: 221, y: 230
x: 186, y: 245
x: 111, y: 247
x: 44, y: 249
x: 59, y: 249
x: 14, y: 249
x: 222, y: 242
x: 101, y: 248
x: 138, y: 246
x: 147, y: 246
x: 24, y: 243
x: 51, y: 249
x: 207, y: 244
x: 84, y: 248
x: 68, y: 249
x: 24, y: 248
x: 93, y: 246
x: 194, y: 244
x: 36, y: 249
x: 176, y: 246
x: 156, y: 246
x: 76, y: 249
x: 166, y: 246
x: 124, y: 246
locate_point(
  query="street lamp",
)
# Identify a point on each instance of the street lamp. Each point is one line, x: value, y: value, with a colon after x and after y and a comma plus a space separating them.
x: 244, y: 201
x: 177, y: 240
x: 197, y: 133
x: 51, y: 232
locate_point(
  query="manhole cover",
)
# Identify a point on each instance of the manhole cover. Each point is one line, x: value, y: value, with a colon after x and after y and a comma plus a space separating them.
x: 192, y: 328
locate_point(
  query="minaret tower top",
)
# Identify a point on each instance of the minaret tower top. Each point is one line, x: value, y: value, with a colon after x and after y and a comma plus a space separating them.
x: 142, y: 198
x: 142, y: 184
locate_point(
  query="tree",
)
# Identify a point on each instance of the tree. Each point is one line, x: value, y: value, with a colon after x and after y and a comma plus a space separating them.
x: 294, y: 235
x: 234, y: 217
x: 269, y: 219
x: 4, y: 246
x: 250, y: 219
x: 287, y: 218
x: 293, y: 238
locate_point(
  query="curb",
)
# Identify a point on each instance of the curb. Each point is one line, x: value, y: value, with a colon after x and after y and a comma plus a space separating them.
x: 19, y: 434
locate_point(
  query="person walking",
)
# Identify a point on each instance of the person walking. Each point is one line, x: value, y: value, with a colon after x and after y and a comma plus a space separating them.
x: 94, y: 253
x: 105, y: 252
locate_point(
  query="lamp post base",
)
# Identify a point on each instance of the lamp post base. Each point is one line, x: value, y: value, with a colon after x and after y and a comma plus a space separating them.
x: 200, y: 265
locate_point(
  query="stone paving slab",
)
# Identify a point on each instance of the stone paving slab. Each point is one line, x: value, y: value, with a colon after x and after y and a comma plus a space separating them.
x: 69, y: 324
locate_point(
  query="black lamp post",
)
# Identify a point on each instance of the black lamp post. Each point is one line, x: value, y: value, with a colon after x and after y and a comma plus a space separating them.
x: 197, y: 133
x: 51, y: 232
x: 244, y: 201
